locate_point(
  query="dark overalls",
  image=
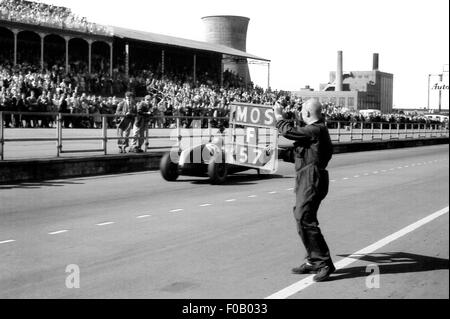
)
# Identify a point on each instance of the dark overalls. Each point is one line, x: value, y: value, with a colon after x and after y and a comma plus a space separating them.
x: 312, y: 152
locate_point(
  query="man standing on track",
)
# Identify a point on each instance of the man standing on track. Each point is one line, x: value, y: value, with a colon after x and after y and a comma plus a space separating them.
x: 313, y: 150
x: 125, y: 110
x: 140, y: 124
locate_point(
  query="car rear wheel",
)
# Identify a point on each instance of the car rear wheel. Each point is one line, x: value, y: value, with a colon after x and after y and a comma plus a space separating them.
x: 217, y: 172
x: 169, y: 169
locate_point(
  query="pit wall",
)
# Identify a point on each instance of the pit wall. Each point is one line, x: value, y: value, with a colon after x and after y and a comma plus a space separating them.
x: 55, y: 168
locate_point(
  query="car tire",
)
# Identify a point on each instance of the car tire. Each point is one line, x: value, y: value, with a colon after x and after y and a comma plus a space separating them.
x: 217, y: 172
x: 168, y: 169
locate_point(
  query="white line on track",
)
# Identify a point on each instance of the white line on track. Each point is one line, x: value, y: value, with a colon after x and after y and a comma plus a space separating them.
x: 251, y: 196
x: 308, y: 281
x: 105, y: 223
x: 345, y: 178
x: 7, y: 241
x: 333, y: 180
x: 231, y: 200
x: 356, y: 176
x: 290, y: 189
x: 272, y: 192
x: 375, y: 172
x: 175, y: 210
x: 204, y: 205
x: 143, y: 216
x: 58, y: 232
x: 391, y: 169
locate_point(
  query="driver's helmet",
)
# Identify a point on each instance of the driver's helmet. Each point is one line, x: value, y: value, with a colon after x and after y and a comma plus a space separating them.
x: 217, y: 140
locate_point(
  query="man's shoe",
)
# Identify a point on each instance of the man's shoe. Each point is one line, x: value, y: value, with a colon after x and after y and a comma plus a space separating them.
x: 304, y: 269
x: 324, y: 273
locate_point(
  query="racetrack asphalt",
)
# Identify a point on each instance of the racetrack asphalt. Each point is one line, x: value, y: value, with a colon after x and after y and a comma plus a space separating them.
x: 138, y: 236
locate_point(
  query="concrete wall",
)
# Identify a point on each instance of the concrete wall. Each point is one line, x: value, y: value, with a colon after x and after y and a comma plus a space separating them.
x: 42, y: 169
x: 45, y: 169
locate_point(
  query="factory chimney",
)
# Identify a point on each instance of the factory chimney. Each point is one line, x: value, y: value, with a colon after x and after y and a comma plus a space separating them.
x: 375, y: 62
x: 339, y: 76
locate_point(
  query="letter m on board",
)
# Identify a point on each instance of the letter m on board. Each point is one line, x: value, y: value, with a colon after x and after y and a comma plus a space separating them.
x: 241, y: 114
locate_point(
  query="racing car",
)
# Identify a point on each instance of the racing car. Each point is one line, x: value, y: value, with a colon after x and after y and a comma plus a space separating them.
x: 213, y: 159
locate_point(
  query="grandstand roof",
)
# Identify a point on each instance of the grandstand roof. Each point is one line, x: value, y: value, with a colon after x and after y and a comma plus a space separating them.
x: 180, y: 42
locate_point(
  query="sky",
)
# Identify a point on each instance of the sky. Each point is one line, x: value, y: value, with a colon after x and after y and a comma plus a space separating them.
x: 301, y: 38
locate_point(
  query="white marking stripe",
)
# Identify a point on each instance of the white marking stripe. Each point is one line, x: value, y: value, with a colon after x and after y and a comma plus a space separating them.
x: 375, y: 172
x: 290, y: 189
x: 273, y: 192
x: 308, y: 281
x: 175, y: 210
x: 345, y: 178
x: 231, y: 200
x: 251, y: 196
x: 105, y: 223
x: 356, y: 176
x: 143, y: 216
x: 204, y: 205
x: 58, y: 232
x: 7, y: 241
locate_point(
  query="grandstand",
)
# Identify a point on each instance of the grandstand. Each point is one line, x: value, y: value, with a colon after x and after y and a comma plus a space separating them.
x: 30, y: 31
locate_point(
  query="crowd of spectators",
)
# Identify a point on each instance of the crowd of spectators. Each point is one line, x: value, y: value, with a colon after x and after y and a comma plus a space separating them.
x: 48, y: 15
x: 25, y: 88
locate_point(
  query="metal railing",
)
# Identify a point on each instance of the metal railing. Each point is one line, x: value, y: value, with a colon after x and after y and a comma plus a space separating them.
x: 340, y: 131
x: 377, y: 131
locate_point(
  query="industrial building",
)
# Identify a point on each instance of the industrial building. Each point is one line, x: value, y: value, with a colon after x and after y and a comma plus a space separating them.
x: 357, y: 90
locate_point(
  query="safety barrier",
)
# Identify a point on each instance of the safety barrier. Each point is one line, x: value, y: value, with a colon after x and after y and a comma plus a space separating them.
x: 340, y: 131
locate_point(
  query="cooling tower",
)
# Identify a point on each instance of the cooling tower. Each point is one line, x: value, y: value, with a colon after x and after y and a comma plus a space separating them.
x: 230, y: 31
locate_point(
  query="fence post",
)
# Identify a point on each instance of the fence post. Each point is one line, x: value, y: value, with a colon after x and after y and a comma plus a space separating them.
x: 351, y: 131
x: 390, y: 131
x: 339, y: 131
x: 105, y: 134
x: 2, y: 139
x: 146, y: 138
x: 371, y: 131
x: 58, y: 134
x: 178, y: 133
x: 209, y: 130
x: 362, y: 131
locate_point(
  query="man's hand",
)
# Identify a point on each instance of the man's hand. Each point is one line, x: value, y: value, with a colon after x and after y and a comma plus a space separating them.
x: 278, y: 111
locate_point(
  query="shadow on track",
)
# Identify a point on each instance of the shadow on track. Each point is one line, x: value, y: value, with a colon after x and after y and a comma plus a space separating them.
x: 35, y: 185
x: 236, y: 179
x: 391, y: 263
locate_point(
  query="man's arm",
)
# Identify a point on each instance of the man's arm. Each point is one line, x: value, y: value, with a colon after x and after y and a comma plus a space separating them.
x: 286, y: 128
x: 302, y: 135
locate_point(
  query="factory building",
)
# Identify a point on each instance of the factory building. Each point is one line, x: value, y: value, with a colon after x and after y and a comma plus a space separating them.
x: 357, y: 90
